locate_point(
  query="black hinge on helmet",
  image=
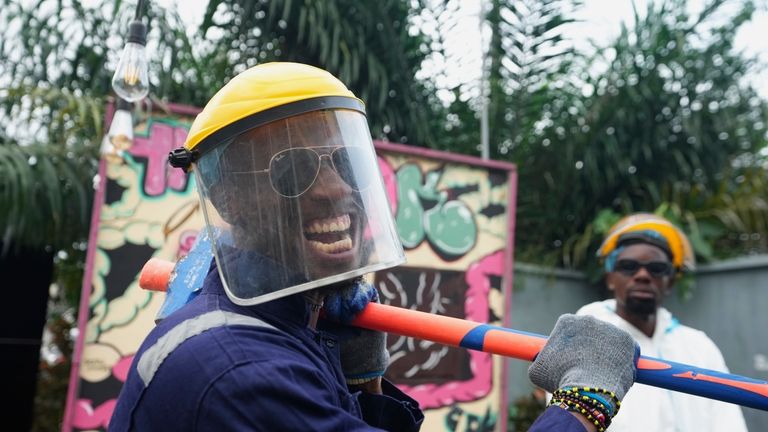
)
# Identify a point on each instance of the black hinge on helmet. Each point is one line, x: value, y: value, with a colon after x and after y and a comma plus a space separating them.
x: 182, y: 158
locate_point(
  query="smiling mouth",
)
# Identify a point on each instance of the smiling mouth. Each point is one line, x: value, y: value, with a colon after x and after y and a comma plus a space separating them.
x: 330, y: 235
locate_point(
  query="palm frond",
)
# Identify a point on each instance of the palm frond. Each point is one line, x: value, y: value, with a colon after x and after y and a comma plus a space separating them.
x: 45, y: 196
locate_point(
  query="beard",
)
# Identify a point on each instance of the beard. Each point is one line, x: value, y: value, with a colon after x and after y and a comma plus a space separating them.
x: 640, y: 307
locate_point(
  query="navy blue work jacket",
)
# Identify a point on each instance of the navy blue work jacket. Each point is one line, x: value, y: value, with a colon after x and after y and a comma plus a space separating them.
x: 556, y: 419
x: 216, y: 366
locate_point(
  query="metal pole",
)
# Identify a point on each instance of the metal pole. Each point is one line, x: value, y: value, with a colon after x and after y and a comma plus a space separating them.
x: 484, y: 90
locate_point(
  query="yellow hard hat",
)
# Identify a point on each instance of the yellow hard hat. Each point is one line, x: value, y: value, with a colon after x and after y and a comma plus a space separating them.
x: 652, y: 229
x: 259, y: 95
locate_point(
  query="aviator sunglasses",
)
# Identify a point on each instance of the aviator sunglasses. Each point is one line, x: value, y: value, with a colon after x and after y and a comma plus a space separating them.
x: 293, y: 171
x: 655, y: 268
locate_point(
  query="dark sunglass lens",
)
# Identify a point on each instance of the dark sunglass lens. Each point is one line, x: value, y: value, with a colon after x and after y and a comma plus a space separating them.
x: 352, y: 165
x: 293, y: 171
x: 658, y: 268
x: 627, y: 266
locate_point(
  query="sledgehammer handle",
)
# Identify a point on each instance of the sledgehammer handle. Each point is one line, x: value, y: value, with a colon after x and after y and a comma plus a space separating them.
x: 451, y: 331
x: 525, y: 346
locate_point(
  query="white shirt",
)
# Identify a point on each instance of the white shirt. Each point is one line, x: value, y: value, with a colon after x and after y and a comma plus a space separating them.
x: 652, y: 409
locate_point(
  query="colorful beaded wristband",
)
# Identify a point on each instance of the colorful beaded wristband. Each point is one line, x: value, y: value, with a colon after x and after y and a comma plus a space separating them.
x: 588, y: 402
x: 598, y: 405
x: 590, y: 393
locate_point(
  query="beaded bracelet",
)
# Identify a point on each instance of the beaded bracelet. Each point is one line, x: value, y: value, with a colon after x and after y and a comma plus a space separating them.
x: 601, y: 400
x: 587, y: 403
x: 592, y: 394
x: 590, y: 402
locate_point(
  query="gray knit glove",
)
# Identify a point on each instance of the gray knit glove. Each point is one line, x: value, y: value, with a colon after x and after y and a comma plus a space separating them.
x: 363, y: 353
x: 583, y: 351
x: 364, y: 357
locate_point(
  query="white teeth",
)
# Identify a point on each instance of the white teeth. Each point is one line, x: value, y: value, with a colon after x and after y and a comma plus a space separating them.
x: 339, y: 226
x: 336, y: 224
x: 342, y: 245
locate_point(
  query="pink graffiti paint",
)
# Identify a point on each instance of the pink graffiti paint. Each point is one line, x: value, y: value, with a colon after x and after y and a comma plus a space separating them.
x: 186, y: 241
x: 121, y: 368
x: 481, y: 363
x: 162, y: 138
x: 88, y: 418
x: 390, y: 185
x: 390, y: 182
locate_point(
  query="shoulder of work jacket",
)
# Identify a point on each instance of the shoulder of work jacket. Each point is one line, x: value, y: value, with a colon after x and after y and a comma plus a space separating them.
x: 214, y: 365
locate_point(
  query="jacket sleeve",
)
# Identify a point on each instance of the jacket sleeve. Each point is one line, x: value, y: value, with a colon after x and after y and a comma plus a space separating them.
x: 392, y: 411
x: 283, y: 395
x: 556, y: 419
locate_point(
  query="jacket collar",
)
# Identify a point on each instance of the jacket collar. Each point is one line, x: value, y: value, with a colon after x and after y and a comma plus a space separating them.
x: 292, y: 309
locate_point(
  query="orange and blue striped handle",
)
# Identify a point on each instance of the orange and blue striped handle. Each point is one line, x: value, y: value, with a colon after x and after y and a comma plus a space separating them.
x: 525, y: 346
x: 483, y: 337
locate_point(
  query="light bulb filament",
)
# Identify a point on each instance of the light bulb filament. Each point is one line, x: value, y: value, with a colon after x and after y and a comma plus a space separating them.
x: 131, y: 76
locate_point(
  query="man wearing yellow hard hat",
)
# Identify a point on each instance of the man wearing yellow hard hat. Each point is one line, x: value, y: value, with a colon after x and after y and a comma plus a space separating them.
x: 297, y: 213
x: 642, y: 255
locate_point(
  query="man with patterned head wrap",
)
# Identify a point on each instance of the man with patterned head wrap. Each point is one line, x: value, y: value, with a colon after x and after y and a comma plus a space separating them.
x: 643, y: 255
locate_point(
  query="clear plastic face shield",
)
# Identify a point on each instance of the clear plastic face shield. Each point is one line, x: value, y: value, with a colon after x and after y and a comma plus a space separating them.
x: 297, y: 204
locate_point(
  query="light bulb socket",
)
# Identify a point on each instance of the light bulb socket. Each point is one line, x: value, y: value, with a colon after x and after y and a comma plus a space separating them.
x: 137, y: 33
x: 123, y: 104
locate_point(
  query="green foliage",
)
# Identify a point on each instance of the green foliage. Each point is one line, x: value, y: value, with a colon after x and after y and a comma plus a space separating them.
x: 530, y: 65
x: 524, y: 410
x: 185, y: 67
x: 52, y: 110
x: 47, y: 188
x: 534, y: 87
x: 369, y: 46
x: 53, y: 378
x: 63, y: 46
x: 660, y: 119
x: 669, y: 123
x: 47, y: 194
x: 53, y: 375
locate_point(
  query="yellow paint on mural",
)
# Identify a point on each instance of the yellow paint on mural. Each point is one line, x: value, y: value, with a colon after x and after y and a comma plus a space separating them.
x: 97, y: 362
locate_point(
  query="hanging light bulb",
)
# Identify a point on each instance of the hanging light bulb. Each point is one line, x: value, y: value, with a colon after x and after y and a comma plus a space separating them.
x: 120, y: 136
x: 131, y: 79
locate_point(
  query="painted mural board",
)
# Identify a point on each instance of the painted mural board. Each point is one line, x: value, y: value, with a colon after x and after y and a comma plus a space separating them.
x: 454, y: 214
